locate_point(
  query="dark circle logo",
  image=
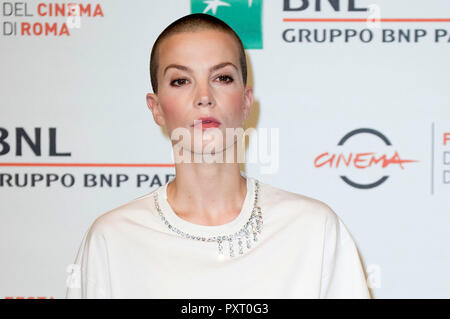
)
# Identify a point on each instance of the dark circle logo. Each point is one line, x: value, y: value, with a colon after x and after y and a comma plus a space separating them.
x: 361, y: 131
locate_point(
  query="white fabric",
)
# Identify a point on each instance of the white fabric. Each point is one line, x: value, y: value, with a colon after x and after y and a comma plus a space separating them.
x: 304, y: 251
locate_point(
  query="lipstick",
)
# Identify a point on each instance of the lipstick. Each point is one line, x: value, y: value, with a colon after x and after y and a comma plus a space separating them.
x: 206, y: 122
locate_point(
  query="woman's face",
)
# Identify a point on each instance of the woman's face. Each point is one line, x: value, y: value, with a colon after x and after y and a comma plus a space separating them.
x: 199, y: 75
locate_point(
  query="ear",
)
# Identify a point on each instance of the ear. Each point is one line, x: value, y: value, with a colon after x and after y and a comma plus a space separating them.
x: 248, y: 101
x: 155, y: 107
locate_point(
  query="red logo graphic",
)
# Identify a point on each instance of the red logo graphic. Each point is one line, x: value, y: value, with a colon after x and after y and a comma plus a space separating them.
x: 361, y: 160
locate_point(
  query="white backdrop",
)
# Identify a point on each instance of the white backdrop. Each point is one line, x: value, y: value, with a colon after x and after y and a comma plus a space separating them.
x: 89, y: 87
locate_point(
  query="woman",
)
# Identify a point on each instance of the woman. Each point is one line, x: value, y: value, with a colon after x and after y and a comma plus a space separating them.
x: 213, y: 232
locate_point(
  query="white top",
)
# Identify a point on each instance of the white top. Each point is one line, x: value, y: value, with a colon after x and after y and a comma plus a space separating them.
x: 303, y: 251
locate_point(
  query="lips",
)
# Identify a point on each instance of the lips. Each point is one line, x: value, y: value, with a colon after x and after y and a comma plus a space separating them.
x: 206, y: 122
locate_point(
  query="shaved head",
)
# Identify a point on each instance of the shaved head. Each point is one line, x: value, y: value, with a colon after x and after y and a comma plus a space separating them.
x: 192, y: 23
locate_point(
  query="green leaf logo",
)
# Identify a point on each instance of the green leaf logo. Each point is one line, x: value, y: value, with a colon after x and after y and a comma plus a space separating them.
x: 244, y: 16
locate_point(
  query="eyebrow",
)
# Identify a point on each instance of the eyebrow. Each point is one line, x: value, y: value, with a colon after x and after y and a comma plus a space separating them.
x: 211, y: 69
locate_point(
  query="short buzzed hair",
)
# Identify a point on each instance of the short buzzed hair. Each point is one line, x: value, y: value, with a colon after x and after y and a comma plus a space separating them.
x: 190, y: 23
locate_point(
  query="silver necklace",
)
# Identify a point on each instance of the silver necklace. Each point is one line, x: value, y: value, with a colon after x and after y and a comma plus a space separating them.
x: 247, y: 233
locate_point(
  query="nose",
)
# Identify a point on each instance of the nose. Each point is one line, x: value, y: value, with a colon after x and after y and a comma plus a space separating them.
x: 204, y: 97
x: 204, y: 101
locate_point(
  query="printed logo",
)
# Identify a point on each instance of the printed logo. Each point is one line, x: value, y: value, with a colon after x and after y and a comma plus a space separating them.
x: 361, y: 161
x: 244, y: 16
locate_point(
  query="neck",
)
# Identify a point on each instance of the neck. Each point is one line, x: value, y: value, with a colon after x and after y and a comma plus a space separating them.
x: 207, y: 194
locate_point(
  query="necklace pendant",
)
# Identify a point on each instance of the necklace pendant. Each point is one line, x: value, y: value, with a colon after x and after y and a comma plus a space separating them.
x: 247, y: 238
x: 254, y: 231
x: 220, y: 247
x: 240, y: 245
x: 230, y: 244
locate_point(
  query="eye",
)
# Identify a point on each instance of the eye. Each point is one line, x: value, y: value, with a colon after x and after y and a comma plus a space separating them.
x: 179, y: 82
x: 225, y: 78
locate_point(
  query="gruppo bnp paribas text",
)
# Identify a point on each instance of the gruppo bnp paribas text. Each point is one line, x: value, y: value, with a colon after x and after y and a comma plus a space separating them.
x: 322, y: 21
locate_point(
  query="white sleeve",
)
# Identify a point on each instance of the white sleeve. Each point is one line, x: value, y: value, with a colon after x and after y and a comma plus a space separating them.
x: 342, y: 273
x: 89, y: 275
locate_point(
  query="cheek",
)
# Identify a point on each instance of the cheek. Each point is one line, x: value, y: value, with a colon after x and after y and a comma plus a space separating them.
x: 234, y: 102
x: 173, y: 107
